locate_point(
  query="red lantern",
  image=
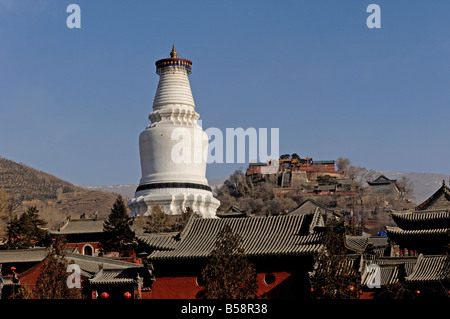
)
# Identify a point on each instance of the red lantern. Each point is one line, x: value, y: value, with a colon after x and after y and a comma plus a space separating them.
x: 104, y: 295
x: 417, y: 292
x: 351, y: 288
x: 127, y: 295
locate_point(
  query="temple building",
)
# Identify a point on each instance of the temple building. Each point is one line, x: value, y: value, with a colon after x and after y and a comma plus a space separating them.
x: 98, y: 275
x: 417, y: 257
x: 84, y: 233
x: 173, y: 148
x: 384, y: 186
x: 425, y: 229
x: 282, y: 249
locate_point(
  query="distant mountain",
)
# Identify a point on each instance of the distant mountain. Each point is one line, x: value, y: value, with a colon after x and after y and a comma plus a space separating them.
x: 126, y: 190
x: 55, y: 197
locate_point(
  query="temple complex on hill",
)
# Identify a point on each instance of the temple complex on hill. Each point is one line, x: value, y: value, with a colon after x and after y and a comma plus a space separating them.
x: 313, y: 176
x: 305, y: 168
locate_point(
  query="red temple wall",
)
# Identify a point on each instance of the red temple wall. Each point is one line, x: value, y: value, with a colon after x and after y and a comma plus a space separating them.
x: 187, y: 287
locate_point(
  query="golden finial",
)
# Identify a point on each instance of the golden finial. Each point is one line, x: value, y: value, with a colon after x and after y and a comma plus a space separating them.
x: 174, y: 53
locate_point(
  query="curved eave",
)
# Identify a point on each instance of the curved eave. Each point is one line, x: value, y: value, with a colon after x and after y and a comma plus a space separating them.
x: 428, y: 269
x: 443, y: 191
x: 158, y: 242
x: 123, y: 281
x: 305, y: 250
x: 414, y: 220
x: 397, y: 234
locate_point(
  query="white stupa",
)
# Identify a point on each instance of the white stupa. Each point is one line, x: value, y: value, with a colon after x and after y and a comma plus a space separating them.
x: 173, y: 147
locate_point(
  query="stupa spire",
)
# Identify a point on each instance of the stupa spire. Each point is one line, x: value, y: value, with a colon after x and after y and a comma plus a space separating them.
x: 174, y: 53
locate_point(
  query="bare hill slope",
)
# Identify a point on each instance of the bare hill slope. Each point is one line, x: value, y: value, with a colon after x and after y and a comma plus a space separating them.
x: 55, y: 197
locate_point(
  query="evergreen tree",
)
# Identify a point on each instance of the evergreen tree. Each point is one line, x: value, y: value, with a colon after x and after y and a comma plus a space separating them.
x: 26, y: 231
x: 229, y: 274
x: 52, y: 280
x: 118, y: 235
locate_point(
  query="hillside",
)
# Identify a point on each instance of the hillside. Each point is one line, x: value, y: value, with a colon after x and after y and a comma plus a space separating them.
x: 424, y: 184
x: 55, y: 198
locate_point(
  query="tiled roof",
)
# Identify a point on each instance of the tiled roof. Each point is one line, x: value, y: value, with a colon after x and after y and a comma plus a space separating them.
x: 356, y: 243
x: 233, y: 211
x: 408, y: 262
x: 360, y: 244
x: 443, y: 192
x: 422, y: 219
x: 379, y: 241
x: 8, y: 281
x: 382, y: 180
x: 310, y: 206
x: 397, y: 231
x: 392, y: 269
x: 389, y: 274
x: 159, y: 241
x: 90, y: 265
x: 22, y: 255
x: 285, y: 235
x: 127, y: 276
x: 80, y: 226
x: 428, y: 269
x: 100, y: 270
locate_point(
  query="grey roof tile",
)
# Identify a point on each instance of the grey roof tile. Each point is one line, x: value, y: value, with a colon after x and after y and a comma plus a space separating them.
x: 428, y: 269
x: 286, y: 235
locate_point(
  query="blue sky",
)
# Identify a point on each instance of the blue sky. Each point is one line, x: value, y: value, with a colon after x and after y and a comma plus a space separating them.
x: 74, y: 101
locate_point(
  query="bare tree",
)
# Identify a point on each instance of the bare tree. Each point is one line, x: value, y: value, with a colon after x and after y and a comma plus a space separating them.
x: 8, y: 207
x: 342, y: 164
x: 237, y: 185
x: 405, y: 186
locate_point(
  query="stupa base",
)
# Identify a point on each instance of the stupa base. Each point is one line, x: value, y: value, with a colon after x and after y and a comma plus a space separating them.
x: 174, y: 201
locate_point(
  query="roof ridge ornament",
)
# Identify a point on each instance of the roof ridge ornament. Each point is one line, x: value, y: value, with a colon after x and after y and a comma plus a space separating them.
x: 174, y: 52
